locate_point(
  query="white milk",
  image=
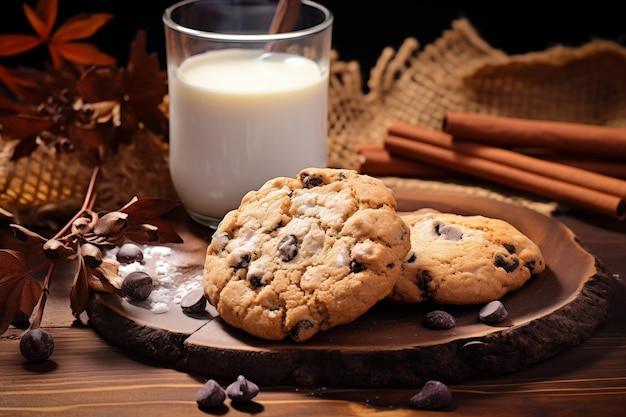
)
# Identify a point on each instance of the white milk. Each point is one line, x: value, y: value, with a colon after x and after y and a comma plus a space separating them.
x: 239, y: 118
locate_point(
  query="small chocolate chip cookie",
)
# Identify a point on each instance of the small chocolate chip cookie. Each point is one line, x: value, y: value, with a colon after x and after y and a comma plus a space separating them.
x: 305, y: 254
x: 456, y: 259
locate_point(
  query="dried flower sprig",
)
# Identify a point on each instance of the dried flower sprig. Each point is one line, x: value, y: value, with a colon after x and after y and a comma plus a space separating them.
x: 61, y: 43
x: 84, y: 240
x: 83, y: 102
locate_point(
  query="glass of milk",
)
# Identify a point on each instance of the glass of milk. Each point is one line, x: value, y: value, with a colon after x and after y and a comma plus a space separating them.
x: 245, y: 105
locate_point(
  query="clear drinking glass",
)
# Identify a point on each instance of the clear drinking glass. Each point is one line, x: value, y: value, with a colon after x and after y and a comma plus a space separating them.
x: 245, y: 105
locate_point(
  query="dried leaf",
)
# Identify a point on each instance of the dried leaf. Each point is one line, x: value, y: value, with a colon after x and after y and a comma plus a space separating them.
x: 100, y: 84
x: 14, y: 44
x: 12, y: 264
x: 14, y: 277
x: 43, y: 17
x: 47, y: 11
x: 144, y: 234
x: 11, y: 106
x: 80, y: 53
x: 145, y: 85
x: 148, y: 210
x: 31, y: 293
x: 141, y: 210
x: 25, y: 127
x: 80, y: 26
x: 79, y: 294
x: 31, y: 243
x: 27, y: 236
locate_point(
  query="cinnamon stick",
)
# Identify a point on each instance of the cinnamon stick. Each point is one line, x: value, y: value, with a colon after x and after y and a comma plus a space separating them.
x: 285, y: 16
x: 514, y: 132
x: 559, y: 190
x: 612, y: 168
x: 375, y: 160
x: 510, y: 158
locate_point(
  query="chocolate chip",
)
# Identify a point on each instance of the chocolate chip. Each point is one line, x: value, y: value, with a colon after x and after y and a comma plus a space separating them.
x: 137, y: 285
x: 129, y: 253
x: 531, y: 265
x: 296, y: 331
x: 256, y: 281
x: 433, y: 396
x: 288, y: 248
x: 439, y: 320
x: 509, y: 248
x: 424, y: 283
x: 412, y: 258
x: 310, y: 181
x: 242, y: 262
x: 356, y: 267
x: 242, y: 389
x: 501, y: 262
x: 193, y: 302
x: 493, y: 312
x: 210, y: 395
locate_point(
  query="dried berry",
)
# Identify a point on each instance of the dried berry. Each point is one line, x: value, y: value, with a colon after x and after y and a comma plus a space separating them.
x: 193, y: 302
x: 493, y: 312
x: 433, y: 396
x: 210, y: 395
x: 36, y: 345
x: 439, y: 320
x: 129, y: 253
x: 137, y: 285
x: 242, y: 389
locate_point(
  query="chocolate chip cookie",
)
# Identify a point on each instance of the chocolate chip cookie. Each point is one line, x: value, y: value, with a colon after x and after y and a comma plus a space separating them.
x: 456, y: 259
x: 305, y: 254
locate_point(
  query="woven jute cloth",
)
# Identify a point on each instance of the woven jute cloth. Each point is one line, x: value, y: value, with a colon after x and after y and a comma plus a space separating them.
x: 458, y: 72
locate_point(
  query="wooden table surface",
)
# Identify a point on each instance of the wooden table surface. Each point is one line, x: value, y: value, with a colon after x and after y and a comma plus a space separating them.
x: 87, y: 376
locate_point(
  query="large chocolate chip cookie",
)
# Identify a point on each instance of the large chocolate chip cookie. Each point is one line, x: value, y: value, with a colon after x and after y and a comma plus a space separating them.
x: 306, y: 254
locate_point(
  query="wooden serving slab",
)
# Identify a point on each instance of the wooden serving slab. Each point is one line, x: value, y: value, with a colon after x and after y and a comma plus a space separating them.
x: 388, y: 346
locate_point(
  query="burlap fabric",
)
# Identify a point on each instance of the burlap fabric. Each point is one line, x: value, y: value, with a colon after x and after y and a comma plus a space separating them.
x: 458, y: 72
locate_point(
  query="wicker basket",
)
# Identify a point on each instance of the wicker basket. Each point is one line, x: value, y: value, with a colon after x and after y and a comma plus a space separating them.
x: 458, y: 72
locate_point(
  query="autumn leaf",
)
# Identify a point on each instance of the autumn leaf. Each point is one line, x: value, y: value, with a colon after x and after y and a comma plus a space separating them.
x: 19, y: 291
x: 61, y: 44
x: 29, y: 127
x: 148, y: 210
x: 79, y: 293
x: 15, y: 44
x: 146, y: 84
x: 80, y: 26
x: 30, y: 242
x: 43, y: 17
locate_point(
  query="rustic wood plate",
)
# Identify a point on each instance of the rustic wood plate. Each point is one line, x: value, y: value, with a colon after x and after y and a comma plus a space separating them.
x: 388, y: 346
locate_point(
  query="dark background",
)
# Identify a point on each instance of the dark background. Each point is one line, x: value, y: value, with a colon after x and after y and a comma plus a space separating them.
x: 361, y: 28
